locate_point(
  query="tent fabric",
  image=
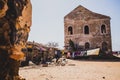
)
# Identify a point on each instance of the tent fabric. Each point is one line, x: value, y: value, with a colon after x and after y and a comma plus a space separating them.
x: 93, y: 52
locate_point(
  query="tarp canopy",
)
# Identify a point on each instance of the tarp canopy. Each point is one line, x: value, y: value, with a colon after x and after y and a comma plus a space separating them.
x: 93, y: 52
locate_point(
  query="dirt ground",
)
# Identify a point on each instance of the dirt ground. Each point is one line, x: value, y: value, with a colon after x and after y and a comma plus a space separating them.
x: 73, y: 70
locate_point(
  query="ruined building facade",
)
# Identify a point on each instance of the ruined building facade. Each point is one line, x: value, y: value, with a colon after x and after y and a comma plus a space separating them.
x: 87, y: 29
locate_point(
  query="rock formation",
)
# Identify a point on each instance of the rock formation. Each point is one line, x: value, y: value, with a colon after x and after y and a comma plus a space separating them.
x: 15, y: 22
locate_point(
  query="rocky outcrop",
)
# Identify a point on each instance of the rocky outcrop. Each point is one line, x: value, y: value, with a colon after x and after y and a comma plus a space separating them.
x: 15, y: 22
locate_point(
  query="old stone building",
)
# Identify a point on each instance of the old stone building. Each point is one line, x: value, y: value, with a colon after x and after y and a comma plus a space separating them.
x: 87, y: 29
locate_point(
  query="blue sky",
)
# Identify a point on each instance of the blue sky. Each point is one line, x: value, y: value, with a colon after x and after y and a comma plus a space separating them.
x: 48, y: 18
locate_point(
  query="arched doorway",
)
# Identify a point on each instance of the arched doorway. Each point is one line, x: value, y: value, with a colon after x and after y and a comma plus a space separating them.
x: 104, y: 47
x: 87, y: 45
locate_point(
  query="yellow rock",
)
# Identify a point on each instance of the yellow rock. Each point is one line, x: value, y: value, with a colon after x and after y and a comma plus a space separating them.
x: 17, y: 54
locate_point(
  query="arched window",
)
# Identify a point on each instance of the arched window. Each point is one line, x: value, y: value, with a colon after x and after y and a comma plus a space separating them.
x: 87, y: 45
x: 104, y: 46
x: 86, y: 30
x: 70, y: 30
x: 103, y: 29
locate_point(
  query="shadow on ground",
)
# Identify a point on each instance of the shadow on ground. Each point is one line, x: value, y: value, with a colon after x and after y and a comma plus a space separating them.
x: 103, y: 58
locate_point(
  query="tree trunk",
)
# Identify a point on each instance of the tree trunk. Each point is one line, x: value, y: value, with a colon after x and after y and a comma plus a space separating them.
x: 15, y: 25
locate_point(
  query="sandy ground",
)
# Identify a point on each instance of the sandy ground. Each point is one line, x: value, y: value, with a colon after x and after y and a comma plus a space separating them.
x: 73, y: 70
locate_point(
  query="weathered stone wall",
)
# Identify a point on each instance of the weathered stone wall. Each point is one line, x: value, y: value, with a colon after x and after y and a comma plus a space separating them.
x: 95, y: 38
